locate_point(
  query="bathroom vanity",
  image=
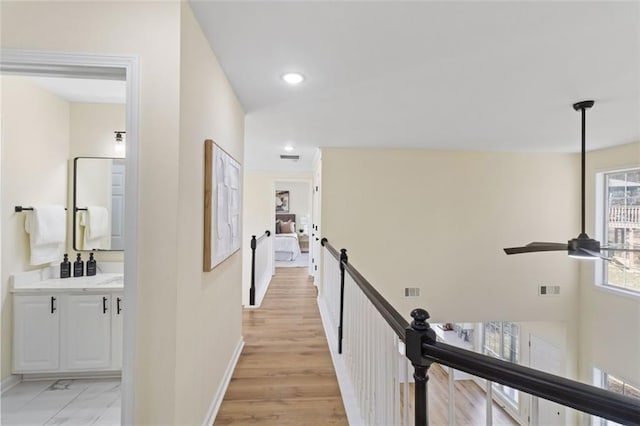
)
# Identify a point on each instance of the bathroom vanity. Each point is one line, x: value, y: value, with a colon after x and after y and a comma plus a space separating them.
x: 71, y: 325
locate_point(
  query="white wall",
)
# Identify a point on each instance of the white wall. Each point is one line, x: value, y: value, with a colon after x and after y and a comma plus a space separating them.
x: 438, y: 220
x: 209, y: 312
x: 35, y: 147
x: 259, y: 214
x: 299, y: 200
x: 609, y: 321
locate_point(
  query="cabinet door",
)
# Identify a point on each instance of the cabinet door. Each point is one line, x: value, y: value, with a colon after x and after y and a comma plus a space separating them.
x: 117, y: 312
x: 36, y: 333
x: 88, y: 331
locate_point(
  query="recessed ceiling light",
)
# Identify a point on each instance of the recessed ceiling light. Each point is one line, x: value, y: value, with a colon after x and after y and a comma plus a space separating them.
x: 293, y: 78
x: 288, y: 148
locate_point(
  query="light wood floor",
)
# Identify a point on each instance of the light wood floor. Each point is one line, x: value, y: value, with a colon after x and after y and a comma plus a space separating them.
x: 285, y: 375
x: 471, y: 402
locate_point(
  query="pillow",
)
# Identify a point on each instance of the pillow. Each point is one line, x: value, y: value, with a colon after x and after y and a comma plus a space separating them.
x: 288, y: 227
x: 278, y: 227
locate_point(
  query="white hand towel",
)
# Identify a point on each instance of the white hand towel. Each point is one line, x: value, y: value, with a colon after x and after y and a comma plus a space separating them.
x: 96, y: 223
x: 46, y: 226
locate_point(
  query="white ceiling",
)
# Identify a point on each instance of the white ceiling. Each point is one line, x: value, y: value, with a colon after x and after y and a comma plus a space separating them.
x: 437, y: 75
x: 85, y: 90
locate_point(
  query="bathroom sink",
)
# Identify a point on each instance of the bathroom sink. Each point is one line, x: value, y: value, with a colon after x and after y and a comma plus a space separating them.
x: 85, y: 283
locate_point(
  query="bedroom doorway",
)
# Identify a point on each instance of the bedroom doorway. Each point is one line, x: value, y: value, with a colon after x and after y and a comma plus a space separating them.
x: 293, y: 218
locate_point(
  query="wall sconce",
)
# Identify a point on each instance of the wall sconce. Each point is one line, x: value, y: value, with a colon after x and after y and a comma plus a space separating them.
x: 120, y: 148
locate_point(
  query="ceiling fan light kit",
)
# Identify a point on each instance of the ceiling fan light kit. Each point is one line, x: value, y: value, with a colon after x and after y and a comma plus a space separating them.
x: 582, y: 247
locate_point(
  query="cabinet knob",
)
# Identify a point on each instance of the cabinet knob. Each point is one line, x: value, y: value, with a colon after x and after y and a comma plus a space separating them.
x: 104, y: 304
x: 119, y: 309
x: 53, y: 304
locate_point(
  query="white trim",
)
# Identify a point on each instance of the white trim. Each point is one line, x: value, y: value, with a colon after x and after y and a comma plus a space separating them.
x: 222, y: 389
x: 33, y: 61
x: 347, y: 389
x: 10, y: 382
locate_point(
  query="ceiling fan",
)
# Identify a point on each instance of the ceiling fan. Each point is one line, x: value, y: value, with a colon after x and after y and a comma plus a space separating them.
x: 581, y: 247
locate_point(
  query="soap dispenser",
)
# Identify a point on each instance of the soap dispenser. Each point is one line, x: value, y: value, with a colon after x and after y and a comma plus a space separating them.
x: 65, y: 267
x: 91, y: 265
x: 78, y: 267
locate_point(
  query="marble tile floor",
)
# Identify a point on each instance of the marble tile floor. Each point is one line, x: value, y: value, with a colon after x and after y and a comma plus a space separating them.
x: 62, y: 402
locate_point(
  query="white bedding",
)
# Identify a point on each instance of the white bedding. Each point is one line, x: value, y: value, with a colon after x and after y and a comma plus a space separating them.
x: 286, y: 246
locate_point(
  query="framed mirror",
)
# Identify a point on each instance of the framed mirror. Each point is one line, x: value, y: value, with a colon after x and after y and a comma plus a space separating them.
x: 98, y: 203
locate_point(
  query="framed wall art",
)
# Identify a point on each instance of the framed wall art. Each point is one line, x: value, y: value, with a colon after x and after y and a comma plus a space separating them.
x: 222, y: 205
x: 282, y: 201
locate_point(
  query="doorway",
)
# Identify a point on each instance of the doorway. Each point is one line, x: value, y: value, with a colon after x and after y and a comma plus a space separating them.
x: 545, y: 357
x: 98, y: 67
x: 293, y: 216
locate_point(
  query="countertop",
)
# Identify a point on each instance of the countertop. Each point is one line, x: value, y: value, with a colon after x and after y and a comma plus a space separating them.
x: 95, y: 283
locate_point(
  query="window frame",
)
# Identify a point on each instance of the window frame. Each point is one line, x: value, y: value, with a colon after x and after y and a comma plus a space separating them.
x: 509, y: 395
x: 602, y: 231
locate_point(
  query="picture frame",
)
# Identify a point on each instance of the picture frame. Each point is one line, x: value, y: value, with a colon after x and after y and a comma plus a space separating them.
x: 222, y: 205
x: 282, y: 201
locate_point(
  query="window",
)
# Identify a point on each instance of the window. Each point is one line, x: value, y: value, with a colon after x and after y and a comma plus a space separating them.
x: 613, y: 384
x: 621, y: 228
x: 501, y: 340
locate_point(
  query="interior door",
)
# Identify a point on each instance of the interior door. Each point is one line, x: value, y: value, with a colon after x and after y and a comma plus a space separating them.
x: 314, y: 242
x: 545, y: 357
x: 117, y: 207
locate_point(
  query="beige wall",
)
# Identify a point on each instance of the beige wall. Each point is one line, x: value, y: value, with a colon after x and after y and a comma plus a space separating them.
x: 259, y: 215
x: 209, y: 315
x: 35, y: 146
x: 439, y: 220
x: 151, y: 31
x: 92, y: 126
x: 188, y: 322
x: 609, y: 322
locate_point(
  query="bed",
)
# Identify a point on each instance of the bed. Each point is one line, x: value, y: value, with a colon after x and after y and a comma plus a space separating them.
x: 286, y: 244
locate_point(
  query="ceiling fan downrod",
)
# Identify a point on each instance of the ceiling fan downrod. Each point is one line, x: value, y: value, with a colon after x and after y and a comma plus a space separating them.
x: 582, y: 107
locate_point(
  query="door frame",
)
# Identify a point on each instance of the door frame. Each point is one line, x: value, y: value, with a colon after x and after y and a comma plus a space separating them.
x: 61, y: 64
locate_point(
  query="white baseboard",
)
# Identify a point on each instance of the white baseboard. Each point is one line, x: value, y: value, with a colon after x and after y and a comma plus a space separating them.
x: 344, y: 381
x: 261, y: 290
x: 222, y: 389
x: 10, y: 382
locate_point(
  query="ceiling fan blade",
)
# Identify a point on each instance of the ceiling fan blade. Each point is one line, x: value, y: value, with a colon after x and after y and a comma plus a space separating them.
x: 537, y: 247
x: 619, y: 249
x: 560, y: 246
x: 612, y: 260
x: 594, y: 253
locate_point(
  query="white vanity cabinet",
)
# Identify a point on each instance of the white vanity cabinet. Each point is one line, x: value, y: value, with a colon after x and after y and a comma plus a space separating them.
x: 86, y: 331
x: 68, y: 326
x: 36, y: 333
x: 117, y: 312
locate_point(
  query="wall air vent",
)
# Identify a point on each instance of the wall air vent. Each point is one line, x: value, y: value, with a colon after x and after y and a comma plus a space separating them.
x: 411, y: 292
x: 289, y: 157
x: 549, y: 290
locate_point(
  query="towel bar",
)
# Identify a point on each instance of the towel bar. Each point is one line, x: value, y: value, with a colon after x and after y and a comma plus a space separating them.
x: 19, y: 209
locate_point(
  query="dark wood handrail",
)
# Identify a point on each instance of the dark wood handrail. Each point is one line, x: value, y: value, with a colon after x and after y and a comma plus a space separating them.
x: 263, y: 236
x: 254, y: 244
x: 396, y: 321
x: 583, y: 397
x: 422, y: 349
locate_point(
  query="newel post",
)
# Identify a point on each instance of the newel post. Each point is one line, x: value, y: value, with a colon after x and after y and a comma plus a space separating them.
x: 417, y: 333
x: 343, y: 260
x: 252, y: 290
